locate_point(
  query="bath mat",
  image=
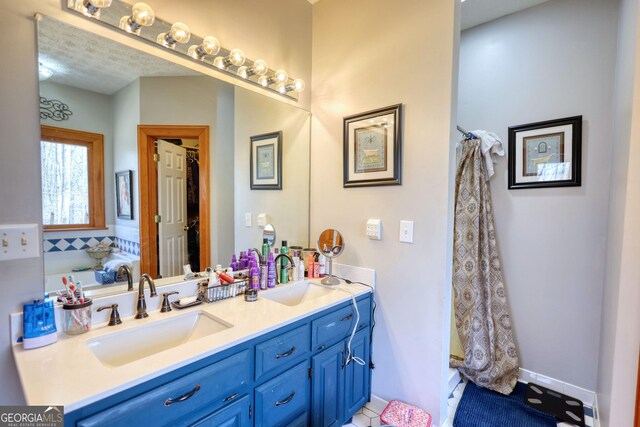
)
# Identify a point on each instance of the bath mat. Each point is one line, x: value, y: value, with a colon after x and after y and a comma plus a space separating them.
x: 565, y: 408
x: 480, y: 407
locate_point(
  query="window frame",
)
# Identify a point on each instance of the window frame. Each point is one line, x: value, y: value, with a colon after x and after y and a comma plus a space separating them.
x: 94, y: 142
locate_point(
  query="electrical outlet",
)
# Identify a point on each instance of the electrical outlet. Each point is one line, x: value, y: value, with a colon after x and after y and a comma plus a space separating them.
x: 374, y: 229
x: 19, y: 241
x: 247, y: 219
x: 406, y: 231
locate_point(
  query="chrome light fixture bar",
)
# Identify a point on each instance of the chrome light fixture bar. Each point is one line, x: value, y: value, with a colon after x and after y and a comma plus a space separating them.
x: 139, y: 20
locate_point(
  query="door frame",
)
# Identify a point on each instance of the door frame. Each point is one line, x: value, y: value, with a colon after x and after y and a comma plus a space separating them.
x: 148, y: 189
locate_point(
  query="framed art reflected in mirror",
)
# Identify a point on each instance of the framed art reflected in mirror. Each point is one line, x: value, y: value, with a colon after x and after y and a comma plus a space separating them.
x: 266, y: 161
x: 124, y: 192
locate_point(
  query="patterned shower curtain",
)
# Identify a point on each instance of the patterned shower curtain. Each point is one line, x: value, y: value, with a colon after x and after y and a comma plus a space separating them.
x: 481, y: 311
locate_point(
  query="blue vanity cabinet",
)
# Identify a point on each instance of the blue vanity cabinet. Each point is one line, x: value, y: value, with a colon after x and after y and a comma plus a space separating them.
x: 328, y: 386
x: 294, y: 376
x: 357, y: 382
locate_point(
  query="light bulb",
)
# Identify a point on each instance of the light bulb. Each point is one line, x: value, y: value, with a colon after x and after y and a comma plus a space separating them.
x: 282, y: 88
x: 298, y: 85
x: 179, y: 33
x: 210, y: 46
x: 242, y: 72
x: 236, y: 57
x: 91, y: 8
x: 264, y: 81
x: 219, y: 62
x: 260, y: 67
x: 44, y: 73
x: 141, y: 16
x: 281, y: 76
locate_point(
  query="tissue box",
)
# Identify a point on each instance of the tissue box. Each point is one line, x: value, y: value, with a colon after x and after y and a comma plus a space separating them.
x: 105, y: 277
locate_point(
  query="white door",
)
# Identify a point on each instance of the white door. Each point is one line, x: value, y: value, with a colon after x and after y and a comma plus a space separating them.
x: 172, y: 208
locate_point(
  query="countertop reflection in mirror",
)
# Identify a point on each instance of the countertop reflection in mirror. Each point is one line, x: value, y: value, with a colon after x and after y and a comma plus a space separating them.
x: 112, y: 89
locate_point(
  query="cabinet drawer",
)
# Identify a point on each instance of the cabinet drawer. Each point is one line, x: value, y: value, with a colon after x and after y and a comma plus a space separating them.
x: 207, y: 389
x: 282, y: 351
x: 338, y: 324
x: 283, y: 397
x: 234, y: 415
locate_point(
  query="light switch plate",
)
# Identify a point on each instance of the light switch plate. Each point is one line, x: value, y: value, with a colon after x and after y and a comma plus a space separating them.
x: 247, y: 219
x: 374, y: 229
x: 18, y: 241
x: 406, y: 231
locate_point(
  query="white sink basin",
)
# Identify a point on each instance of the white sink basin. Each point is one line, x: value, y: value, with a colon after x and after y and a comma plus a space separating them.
x: 296, y: 293
x: 120, y: 348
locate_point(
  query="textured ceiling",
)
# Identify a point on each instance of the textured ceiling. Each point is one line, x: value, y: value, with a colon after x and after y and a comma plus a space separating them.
x: 84, y: 60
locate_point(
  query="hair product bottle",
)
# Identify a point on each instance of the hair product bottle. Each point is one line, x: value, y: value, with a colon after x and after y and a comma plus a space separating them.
x: 284, y: 263
x: 271, y: 272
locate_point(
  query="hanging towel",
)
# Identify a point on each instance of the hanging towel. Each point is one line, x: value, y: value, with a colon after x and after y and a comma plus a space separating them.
x: 490, y: 147
x: 114, y: 264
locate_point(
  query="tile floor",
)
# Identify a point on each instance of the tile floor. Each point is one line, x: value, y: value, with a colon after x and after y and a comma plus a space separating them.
x: 365, y: 417
x: 454, y: 400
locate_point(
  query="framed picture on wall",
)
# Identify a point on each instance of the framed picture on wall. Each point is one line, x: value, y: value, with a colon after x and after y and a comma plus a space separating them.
x: 373, y: 148
x: 266, y: 161
x: 124, y: 192
x: 546, y: 154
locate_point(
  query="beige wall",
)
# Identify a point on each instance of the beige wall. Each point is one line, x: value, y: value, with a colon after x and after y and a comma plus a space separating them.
x: 278, y: 30
x: 288, y: 208
x: 369, y: 54
x: 620, y: 342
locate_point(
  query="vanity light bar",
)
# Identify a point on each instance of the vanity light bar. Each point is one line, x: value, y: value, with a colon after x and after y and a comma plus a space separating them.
x: 140, y: 20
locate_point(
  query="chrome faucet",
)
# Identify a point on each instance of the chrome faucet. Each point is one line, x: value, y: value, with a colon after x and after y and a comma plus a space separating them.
x: 127, y: 270
x: 142, y: 304
x: 289, y: 267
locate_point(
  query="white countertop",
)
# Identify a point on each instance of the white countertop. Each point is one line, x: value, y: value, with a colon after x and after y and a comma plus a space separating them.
x: 68, y: 373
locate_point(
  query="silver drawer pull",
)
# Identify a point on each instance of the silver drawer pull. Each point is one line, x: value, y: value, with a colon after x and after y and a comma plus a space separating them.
x: 233, y: 396
x: 346, y: 317
x: 286, y: 353
x: 287, y: 400
x: 183, y: 397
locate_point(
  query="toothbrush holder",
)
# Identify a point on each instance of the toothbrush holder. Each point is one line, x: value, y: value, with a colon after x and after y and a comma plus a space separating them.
x: 77, y: 317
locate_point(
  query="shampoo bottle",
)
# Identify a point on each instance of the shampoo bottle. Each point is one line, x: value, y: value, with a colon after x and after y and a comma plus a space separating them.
x: 255, y: 275
x: 265, y: 249
x: 310, y: 264
x: 284, y: 263
x: 271, y: 272
x: 301, y: 271
x: 244, y: 260
x: 264, y: 271
x: 296, y: 266
x: 234, y: 263
x: 322, y: 262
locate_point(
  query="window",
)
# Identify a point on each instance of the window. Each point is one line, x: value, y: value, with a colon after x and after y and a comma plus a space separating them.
x: 72, y: 179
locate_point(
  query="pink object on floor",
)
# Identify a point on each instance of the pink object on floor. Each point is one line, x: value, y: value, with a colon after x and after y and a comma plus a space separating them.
x: 401, y: 414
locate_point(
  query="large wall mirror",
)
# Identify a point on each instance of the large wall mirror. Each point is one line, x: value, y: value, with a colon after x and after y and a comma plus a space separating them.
x: 168, y: 184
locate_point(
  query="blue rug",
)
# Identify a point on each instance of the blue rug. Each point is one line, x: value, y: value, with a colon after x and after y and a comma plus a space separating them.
x: 480, y: 407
